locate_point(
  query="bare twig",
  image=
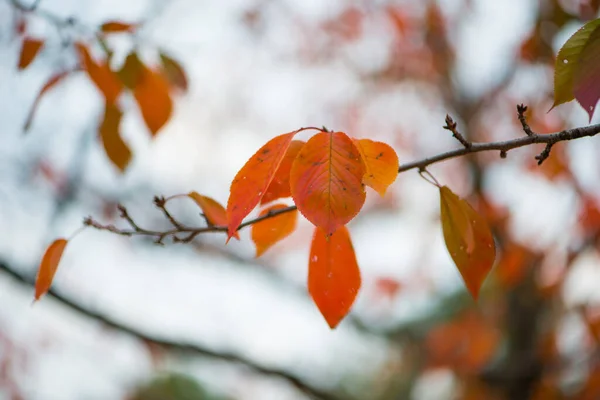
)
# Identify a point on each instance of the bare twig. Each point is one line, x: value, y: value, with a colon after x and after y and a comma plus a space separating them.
x: 451, y: 126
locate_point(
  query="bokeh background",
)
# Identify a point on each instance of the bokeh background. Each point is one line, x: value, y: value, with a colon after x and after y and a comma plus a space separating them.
x: 128, y: 319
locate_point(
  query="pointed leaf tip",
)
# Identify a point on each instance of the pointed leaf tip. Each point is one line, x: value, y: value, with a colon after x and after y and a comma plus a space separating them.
x: 31, y: 47
x: 116, y: 149
x: 253, y: 179
x: 326, y: 180
x: 586, y: 79
x: 48, y: 267
x: 468, y: 239
x: 269, y: 231
x: 333, y: 274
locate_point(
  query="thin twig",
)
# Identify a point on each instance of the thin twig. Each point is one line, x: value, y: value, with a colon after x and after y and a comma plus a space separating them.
x: 451, y: 126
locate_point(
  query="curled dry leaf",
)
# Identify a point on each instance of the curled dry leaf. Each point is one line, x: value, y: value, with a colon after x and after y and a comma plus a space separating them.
x: 333, y: 274
x: 53, y: 81
x: 116, y: 149
x: 253, y: 179
x: 213, y: 211
x: 103, y: 77
x: 381, y: 164
x: 152, y: 95
x: 48, y: 267
x: 31, y: 47
x: 326, y: 180
x: 117, y: 26
x: 280, y: 186
x: 468, y: 239
x: 272, y: 230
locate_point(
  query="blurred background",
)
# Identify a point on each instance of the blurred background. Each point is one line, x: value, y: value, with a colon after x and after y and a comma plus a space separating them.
x: 129, y: 319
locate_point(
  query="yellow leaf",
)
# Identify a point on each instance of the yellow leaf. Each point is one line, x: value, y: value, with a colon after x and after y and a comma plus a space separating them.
x: 271, y: 230
x: 381, y: 164
x: 152, y: 95
x: 116, y: 149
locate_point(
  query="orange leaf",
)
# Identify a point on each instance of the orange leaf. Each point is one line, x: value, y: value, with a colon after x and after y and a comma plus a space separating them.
x: 154, y: 100
x: 131, y: 70
x: 251, y: 182
x: 213, y: 211
x: 381, y: 164
x: 53, y: 81
x: 48, y: 267
x: 280, y: 186
x: 117, y: 26
x: 30, y: 49
x: 271, y: 230
x: 173, y: 72
x: 468, y: 239
x: 116, y: 149
x: 326, y: 180
x: 105, y: 80
x: 333, y: 274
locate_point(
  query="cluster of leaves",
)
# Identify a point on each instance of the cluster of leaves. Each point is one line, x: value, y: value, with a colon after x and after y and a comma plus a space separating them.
x: 326, y: 178
x: 152, y: 86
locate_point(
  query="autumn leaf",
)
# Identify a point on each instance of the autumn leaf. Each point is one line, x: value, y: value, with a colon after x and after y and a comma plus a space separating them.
x: 173, y: 72
x: 131, y: 71
x: 31, y: 47
x: 103, y: 77
x: 152, y: 95
x: 280, y: 186
x: 48, y: 267
x: 381, y: 164
x: 213, y: 211
x: 116, y: 149
x: 53, y: 81
x: 567, y: 60
x: 468, y: 239
x: 586, y: 80
x: 271, y: 230
x: 333, y: 274
x: 251, y: 182
x: 326, y: 180
x: 117, y: 26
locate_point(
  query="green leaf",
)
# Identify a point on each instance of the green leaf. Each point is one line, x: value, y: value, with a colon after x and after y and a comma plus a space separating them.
x: 567, y: 61
x: 586, y: 81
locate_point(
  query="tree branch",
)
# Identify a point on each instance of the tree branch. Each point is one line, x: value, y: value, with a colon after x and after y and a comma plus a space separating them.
x: 171, y: 345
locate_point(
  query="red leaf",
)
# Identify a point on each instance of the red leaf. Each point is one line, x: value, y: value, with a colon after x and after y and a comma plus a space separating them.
x: 53, y: 81
x: 173, y: 72
x: 48, y: 267
x: 105, y: 80
x: 387, y: 287
x: 251, y: 182
x: 117, y: 26
x: 271, y: 230
x: 586, y: 79
x: 333, y: 274
x: 213, y: 211
x: 29, y: 50
x: 280, y: 186
x: 116, y: 149
x: 468, y: 239
x: 152, y: 95
x: 326, y: 180
x: 381, y: 164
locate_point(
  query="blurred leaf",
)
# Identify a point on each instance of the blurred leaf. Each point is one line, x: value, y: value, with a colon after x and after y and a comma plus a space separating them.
x: 253, y: 179
x: 333, y: 274
x: 30, y: 48
x: 381, y: 164
x: 131, y: 71
x: 586, y: 79
x: 213, y: 211
x: 468, y: 239
x: 116, y: 149
x: 117, y: 26
x: 174, y: 386
x: 174, y: 72
x: 48, y: 267
x: 280, y: 186
x: 152, y: 95
x: 387, y: 287
x: 53, y: 81
x: 326, y: 180
x: 567, y: 61
x: 103, y: 77
x: 268, y: 232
